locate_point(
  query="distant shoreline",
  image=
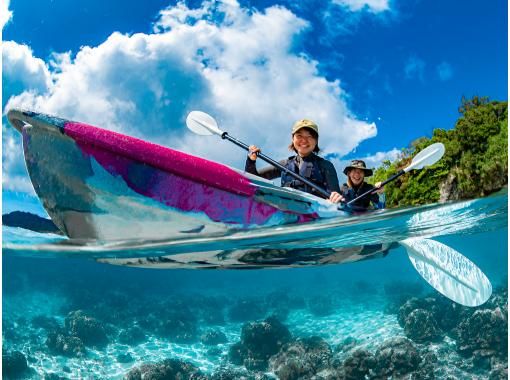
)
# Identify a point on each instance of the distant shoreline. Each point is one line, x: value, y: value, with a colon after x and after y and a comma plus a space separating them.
x: 30, y: 221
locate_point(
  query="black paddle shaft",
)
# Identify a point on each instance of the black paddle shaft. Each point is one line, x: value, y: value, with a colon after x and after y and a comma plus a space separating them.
x: 276, y: 164
x: 392, y: 178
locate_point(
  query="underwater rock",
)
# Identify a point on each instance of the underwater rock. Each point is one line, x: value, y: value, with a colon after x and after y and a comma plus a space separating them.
x: 445, y: 313
x: 499, y: 299
x: 301, y: 359
x: 448, y: 314
x: 484, y: 330
x: 237, y: 353
x: 88, y: 329
x: 427, y: 367
x: 357, y: 365
x: 321, y: 306
x: 132, y: 336
x: 62, y: 344
x: 259, y: 341
x: 348, y: 344
x: 244, y: 310
x: 167, y: 369
x: 421, y: 326
x: 239, y: 374
x: 481, y: 359
x: 14, y: 365
x: 396, y: 357
x: 410, y: 305
x: 499, y: 373
x: 212, y: 338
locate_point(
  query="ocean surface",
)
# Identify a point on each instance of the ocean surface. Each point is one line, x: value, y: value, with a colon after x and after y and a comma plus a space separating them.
x: 334, y: 299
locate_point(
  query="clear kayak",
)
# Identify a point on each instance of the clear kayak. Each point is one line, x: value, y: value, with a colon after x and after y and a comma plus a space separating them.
x: 101, y: 185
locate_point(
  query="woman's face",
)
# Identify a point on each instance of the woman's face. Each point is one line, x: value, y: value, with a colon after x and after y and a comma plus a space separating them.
x: 356, y: 176
x: 304, y: 142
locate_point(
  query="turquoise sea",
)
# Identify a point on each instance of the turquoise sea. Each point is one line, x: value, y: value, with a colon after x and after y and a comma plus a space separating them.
x: 312, y: 310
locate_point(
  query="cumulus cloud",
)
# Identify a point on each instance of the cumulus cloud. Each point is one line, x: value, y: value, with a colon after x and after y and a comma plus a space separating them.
x: 234, y: 63
x: 5, y: 13
x: 22, y: 75
x: 22, y: 72
x: 14, y: 175
x: 444, y: 71
x: 415, y: 68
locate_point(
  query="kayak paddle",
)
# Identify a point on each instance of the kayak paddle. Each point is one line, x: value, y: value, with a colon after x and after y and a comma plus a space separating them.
x: 428, y: 156
x: 448, y: 271
x: 205, y: 125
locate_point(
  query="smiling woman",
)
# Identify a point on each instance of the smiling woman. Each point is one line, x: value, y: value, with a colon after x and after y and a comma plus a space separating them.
x: 305, y: 142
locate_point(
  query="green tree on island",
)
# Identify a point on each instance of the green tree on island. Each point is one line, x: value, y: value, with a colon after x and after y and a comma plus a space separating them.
x: 475, y: 163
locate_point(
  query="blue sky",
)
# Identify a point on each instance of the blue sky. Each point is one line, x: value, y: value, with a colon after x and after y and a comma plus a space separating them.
x: 374, y: 74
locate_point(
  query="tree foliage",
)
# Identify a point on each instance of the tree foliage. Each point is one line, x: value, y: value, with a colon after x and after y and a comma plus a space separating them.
x: 475, y: 163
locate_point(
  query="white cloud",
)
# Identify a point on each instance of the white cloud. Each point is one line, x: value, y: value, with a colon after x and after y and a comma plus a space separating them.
x: 374, y: 6
x: 21, y: 71
x: 415, y: 68
x: 444, y: 71
x: 344, y: 17
x: 5, y: 13
x: 26, y: 76
x: 14, y: 175
x: 234, y: 63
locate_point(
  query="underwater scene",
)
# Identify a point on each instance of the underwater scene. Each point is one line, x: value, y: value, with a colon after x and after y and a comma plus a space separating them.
x: 67, y: 313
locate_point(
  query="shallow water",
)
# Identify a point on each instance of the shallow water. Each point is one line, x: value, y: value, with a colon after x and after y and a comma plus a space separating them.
x: 44, y: 280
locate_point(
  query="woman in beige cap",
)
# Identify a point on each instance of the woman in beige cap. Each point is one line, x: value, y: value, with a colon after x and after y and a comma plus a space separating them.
x: 356, y: 186
x: 306, y: 162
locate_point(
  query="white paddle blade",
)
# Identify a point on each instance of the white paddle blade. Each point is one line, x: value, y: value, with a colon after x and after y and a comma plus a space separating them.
x: 428, y: 156
x: 449, y: 272
x: 202, y: 124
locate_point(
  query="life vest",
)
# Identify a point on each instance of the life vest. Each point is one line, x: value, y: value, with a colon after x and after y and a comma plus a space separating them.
x: 313, y: 171
x: 363, y: 204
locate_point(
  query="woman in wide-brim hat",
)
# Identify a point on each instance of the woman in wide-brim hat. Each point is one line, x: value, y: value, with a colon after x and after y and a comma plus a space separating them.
x: 356, y: 172
x: 306, y: 162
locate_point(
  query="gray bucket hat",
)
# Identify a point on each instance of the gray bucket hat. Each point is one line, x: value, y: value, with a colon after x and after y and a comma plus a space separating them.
x: 358, y: 164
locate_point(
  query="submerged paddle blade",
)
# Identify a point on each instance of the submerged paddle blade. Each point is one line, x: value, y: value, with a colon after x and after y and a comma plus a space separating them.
x: 202, y: 123
x: 428, y: 156
x: 449, y: 272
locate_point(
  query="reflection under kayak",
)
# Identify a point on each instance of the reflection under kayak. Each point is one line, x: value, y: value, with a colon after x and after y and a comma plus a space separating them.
x: 258, y: 258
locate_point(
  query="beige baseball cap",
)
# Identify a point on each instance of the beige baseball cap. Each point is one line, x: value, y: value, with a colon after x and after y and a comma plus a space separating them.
x: 305, y: 123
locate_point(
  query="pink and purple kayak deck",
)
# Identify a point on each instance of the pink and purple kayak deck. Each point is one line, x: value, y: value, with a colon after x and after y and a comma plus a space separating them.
x: 99, y: 184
